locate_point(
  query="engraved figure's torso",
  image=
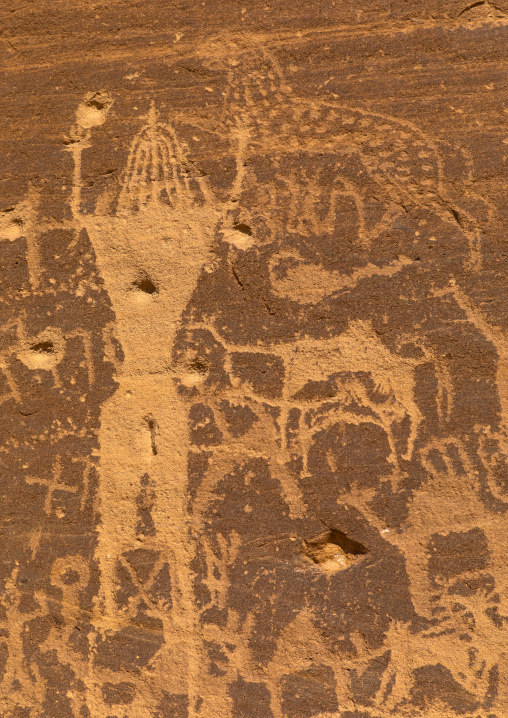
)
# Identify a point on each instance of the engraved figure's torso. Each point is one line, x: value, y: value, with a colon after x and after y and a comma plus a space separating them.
x: 150, y: 262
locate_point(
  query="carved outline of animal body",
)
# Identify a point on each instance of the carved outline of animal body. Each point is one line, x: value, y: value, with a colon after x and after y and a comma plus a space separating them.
x: 386, y: 146
x: 358, y: 349
x: 453, y: 503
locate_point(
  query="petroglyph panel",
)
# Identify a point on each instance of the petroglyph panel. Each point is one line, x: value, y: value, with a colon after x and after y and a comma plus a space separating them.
x: 254, y: 362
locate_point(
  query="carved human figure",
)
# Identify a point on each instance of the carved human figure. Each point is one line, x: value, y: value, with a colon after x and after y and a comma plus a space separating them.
x: 151, y: 248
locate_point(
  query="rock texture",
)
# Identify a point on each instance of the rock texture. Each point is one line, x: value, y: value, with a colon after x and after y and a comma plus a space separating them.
x: 254, y: 360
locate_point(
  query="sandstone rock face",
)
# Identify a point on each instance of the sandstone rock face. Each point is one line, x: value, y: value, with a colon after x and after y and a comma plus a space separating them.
x: 254, y: 360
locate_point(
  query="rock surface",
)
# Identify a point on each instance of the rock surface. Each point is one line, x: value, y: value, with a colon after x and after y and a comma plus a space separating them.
x: 254, y: 359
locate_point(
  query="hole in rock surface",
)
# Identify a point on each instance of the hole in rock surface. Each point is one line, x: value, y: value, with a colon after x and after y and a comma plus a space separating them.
x: 43, y: 347
x: 243, y: 228
x: 70, y: 577
x: 145, y: 284
x: 333, y: 551
x: 153, y: 428
x: 198, y: 365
